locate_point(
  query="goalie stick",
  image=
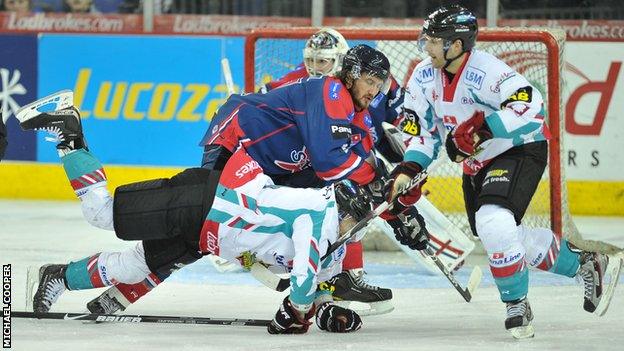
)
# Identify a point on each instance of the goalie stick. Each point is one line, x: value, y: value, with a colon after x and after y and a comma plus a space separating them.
x: 128, y: 318
x: 227, y: 75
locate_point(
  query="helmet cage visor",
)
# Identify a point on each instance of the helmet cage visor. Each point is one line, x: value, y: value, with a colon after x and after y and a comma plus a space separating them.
x: 424, y: 39
x: 316, y: 61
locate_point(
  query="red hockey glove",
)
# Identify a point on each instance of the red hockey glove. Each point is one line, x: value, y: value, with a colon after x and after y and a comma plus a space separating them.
x: 401, y: 177
x: 462, y: 141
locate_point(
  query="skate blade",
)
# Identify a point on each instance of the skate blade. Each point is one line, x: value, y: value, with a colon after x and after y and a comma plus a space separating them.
x: 367, y: 308
x: 54, y: 102
x: 525, y: 332
x: 32, y: 278
x: 613, y: 269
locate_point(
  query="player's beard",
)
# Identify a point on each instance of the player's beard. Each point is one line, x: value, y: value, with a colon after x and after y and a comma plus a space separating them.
x: 361, y: 100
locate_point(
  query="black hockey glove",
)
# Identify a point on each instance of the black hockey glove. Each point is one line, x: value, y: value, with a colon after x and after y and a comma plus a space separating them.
x: 377, y: 187
x: 352, y: 200
x: 335, y: 319
x: 288, y: 320
x: 409, y: 229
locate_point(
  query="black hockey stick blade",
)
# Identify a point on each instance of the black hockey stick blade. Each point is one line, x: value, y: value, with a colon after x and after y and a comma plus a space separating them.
x: 96, y: 317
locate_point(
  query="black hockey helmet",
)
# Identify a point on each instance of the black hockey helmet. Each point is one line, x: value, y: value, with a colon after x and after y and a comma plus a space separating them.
x: 364, y: 59
x: 451, y: 23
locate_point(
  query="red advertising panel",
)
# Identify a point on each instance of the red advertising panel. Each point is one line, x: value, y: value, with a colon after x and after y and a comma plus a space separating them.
x: 216, y: 24
x: 70, y: 22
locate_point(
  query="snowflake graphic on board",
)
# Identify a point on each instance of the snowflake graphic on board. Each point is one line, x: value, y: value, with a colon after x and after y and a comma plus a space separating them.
x: 10, y: 86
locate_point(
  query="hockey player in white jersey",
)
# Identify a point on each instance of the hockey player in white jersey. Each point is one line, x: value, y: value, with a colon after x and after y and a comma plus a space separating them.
x: 491, y: 120
x: 236, y: 213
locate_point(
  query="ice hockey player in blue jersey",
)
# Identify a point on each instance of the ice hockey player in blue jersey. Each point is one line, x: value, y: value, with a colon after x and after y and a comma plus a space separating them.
x: 500, y: 139
x: 314, y: 124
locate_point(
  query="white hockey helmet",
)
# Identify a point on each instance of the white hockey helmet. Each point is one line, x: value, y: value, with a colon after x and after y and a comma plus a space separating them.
x: 324, y: 51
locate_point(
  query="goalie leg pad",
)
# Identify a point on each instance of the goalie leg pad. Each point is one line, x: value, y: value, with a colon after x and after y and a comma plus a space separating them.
x: 164, y: 208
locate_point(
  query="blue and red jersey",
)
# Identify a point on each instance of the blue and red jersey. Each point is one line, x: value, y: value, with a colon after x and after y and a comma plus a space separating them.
x: 300, y: 72
x: 384, y: 108
x: 312, y: 123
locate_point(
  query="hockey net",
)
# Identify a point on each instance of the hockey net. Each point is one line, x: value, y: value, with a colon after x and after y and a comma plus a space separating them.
x: 536, y: 54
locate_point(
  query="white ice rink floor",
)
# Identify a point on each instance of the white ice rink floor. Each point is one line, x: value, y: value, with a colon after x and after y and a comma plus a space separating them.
x: 428, y: 315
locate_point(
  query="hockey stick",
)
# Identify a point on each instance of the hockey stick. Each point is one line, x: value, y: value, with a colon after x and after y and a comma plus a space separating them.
x: 473, y: 281
x: 227, y: 74
x: 272, y: 281
x: 363, y: 223
x: 143, y: 319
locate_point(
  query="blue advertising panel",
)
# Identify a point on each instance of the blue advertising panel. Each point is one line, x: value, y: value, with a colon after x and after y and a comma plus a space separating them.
x: 18, y: 86
x: 145, y: 100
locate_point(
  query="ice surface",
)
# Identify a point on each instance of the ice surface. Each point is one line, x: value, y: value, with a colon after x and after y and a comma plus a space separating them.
x: 429, y: 314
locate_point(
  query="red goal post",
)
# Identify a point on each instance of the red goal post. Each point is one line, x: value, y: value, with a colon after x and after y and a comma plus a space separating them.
x: 537, y: 54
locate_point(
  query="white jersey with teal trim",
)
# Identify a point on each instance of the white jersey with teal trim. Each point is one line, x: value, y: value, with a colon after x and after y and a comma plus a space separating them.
x: 433, y: 106
x: 253, y: 220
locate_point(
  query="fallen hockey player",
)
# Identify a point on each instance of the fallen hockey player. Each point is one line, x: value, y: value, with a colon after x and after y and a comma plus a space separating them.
x: 236, y: 213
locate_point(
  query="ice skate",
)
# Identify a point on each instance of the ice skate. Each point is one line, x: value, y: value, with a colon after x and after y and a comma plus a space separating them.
x: 52, y: 284
x: 350, y: 290
x: 109, y: 302
x: 599, y: 273
x: 56, y: 115
x: 519, y: 317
